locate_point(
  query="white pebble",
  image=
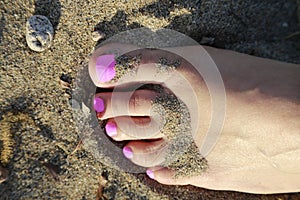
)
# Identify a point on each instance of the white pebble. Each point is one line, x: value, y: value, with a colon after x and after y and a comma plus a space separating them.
x: 285, y: 25
x: 98, y: 35
x: 39, y: 33
x: 3, y: 174
x: 75, y: 105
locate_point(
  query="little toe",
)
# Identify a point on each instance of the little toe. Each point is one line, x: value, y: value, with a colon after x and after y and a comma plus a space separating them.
x: 146, y: 154
x: 166, y: 176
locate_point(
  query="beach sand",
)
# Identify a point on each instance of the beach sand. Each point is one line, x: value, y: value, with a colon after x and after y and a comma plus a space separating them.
x: 183, y: 156
x: 45, y: 157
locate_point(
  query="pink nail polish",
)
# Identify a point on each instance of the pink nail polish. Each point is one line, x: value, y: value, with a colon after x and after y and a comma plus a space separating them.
x: 127, y: 152
x: 111, y: 129
x: 150, y: 173
x: 105, y: 67
x: 99, y: 104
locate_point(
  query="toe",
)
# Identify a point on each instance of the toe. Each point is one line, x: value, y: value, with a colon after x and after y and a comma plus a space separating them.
x: 102, y: 63
x: 165, y: 176
x: 135, y: 103
x: 132, y: 128
x: 146, y: 154
x: 105, y: 66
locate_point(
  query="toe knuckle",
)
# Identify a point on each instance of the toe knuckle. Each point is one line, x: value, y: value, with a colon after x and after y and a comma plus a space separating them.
x: 135, y: 102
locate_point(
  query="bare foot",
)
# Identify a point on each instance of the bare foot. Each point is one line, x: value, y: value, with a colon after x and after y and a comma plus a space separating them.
x: 258, y: 148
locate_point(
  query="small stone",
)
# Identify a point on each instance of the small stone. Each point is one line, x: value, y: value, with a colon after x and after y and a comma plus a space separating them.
x: 39, y: 33
x: 98, y: 35
x: 207, y: 40
x: 64, y: 84
x: 65, y: 81
x: 75, y: 105
x: 285, y: 24
x: 85, y: 109
x: 3, y: 174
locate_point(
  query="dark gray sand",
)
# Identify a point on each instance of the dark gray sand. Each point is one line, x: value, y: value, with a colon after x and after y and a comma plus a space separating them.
x: 48, y: 161
x: 126, y: 64
x: 165, y: 65
x: 183, y: 155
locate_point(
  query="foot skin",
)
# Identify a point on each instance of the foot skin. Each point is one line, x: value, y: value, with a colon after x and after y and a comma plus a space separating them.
x: 258, y: 148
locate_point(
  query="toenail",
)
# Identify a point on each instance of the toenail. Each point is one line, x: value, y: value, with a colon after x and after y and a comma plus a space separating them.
x: 98, y: 104
x: 111, y: 129
x: 127, y: 152
x: 105, y: 67
x: 150, y: 173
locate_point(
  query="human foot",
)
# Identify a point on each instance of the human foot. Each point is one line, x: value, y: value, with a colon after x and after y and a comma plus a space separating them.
x: 155, y: 104
x: 241, y: 159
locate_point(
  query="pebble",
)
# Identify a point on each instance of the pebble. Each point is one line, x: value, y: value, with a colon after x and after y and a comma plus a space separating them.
x: 3, y: 174
x: 207, y: 40
x: 98, y: 35
x: 285, y: 25
x: 39, y: 33
x: 75, y: 105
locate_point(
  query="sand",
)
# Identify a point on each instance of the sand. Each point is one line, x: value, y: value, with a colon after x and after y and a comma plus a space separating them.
x: 183, y: 155
x: 125, y: 64
x: 30, y: 86
x: 165, y: 65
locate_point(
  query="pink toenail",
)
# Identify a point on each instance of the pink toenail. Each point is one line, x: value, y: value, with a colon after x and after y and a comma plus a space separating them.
x: 98, y: 104
x: 127, y: 152
x: 105, y: 67
x: 111, y: 129
x: 150, y: 173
